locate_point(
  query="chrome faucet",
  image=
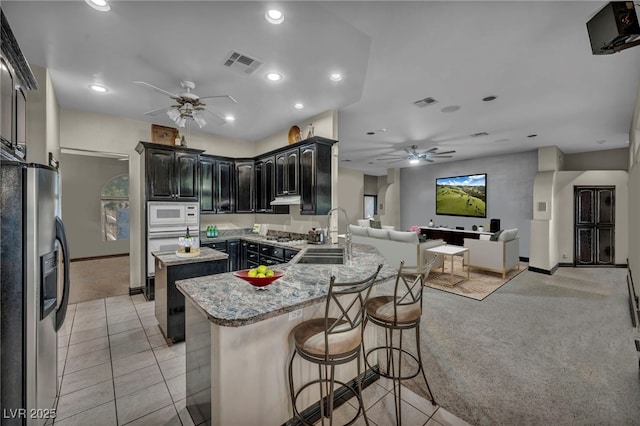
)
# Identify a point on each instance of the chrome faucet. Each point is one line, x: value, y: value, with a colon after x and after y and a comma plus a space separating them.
x: 348, y: 235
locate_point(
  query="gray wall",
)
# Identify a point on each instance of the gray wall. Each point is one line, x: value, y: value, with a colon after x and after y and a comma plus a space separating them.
x: 611, y: 159
x: 509, y: 193
x: 83, y: 178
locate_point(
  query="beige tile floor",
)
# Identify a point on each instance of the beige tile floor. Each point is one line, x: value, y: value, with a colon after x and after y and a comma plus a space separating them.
x: 116, y: 369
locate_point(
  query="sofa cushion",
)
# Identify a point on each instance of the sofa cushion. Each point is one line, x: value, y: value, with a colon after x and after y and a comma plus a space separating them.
x: 364, y: 222
x: 378, y: 233
x: 495, y: 235
x: 404, y: 236
x: 358, y: 230
x: 508, y: 234
x: 375, y: 224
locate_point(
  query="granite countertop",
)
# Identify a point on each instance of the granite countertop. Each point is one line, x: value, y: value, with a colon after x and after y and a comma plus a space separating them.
x: 230, y: 301
x: 294, y: 244
x: 169, y: 258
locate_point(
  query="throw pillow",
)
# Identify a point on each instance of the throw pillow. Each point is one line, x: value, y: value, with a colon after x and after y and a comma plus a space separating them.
x: 508, y: 234
x: 496, y: 235
x: 376, y: 224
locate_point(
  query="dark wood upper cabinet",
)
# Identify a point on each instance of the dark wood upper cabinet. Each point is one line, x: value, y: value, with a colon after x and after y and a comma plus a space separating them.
x: 172, y: 174
x: 216, y: 185
x: 315, y: 179
x: 287, y: 165
x: 245, y: 192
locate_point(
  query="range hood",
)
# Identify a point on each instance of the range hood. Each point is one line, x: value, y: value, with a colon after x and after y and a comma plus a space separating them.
x: 286, y: 200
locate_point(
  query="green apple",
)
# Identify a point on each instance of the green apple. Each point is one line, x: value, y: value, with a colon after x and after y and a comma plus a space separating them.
x: 262, y: 269
x: 252, y: 272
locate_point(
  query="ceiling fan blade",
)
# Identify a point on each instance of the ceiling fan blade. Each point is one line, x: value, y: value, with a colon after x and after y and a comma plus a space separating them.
x: 219, y: 117
x: 390, y: 157
x: 220, y: 96
x: 143, y: 83
x: 426, y: 159
x: 409, y: 151
x: 443, y: 152
x: 435, y: 148
x: 154, y: 112
x: 442, y: 156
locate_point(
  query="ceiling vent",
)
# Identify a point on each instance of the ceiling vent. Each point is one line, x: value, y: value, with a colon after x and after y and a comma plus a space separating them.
x: 425, y: 102
x: 242, y: 63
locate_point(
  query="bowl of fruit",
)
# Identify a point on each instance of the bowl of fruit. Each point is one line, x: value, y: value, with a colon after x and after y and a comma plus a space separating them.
x: 260, y: 276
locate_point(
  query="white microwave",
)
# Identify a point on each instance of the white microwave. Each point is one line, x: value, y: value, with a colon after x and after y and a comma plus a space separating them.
x: 172, y: 215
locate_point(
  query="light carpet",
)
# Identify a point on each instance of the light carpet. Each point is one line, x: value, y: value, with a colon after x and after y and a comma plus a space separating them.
x: 480, y: 284
x: 543, y: 350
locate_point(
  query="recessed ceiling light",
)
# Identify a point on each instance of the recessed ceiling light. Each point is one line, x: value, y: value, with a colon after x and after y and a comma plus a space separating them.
x: 274, y: 76
x: 450, y: 108
x: 532, y: 135
x: 100, y: 5
x: 299, y: 105
x: 490, y: 98
x: 335, y: 76
x: 414, y: 161
x: 229, y: 117
x: 274, y: 16
x: 98, y: 88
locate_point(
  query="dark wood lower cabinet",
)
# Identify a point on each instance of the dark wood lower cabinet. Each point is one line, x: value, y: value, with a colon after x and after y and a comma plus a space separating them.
x: 594, y: 222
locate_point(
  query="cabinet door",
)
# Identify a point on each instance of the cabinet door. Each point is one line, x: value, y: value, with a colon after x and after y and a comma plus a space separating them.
x: 186, y: 169
x: 280, y: 174
x: 244, y: 189
x: 224, y: 183
x: 207, y: 185
x: 160, y: 175
x: 291, y: 168
x: 307, y: 179
x: 233, y: 249
x: 269, y: 182
x: 243, y: 254
x: 260, y: 200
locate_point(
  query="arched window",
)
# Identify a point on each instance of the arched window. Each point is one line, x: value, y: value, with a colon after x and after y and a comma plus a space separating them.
x: 115, y: 209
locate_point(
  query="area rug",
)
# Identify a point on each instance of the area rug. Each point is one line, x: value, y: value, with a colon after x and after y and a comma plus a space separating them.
x: 480, y: 284
x: 98, y: 278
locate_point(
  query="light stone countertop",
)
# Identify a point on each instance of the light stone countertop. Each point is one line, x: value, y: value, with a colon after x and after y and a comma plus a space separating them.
x: 169, y: 258
x: 230, y: 301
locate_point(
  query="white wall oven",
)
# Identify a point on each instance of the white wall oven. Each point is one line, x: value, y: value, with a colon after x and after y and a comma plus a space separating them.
x: 166, y: 222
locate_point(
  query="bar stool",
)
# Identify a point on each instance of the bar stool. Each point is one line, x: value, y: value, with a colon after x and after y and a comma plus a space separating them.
x: 333, y: 340
x: 400, y: 311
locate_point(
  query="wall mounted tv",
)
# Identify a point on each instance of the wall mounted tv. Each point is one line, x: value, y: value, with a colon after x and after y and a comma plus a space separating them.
x: 462, y: 195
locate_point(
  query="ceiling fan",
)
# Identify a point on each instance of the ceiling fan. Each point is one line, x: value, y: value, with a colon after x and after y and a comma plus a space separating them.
x: 187, y: 105
x: 414, y: 157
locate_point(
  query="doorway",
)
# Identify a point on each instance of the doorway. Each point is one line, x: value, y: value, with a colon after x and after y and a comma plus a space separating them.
x: 594, y: 225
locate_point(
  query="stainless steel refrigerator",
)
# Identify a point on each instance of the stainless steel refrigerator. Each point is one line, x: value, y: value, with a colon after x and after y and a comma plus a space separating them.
x: 33, y: 307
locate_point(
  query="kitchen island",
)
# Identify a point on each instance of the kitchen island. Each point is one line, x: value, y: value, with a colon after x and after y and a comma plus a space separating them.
x: 237, y: 338
x: 169, y: 302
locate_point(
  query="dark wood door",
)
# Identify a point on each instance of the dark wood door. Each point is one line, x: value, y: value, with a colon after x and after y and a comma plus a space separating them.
x: 594, y: 225
x: 186, y: 170
x: 224, y: 187
x: 280, y: 174
x: 244, y: 188
x: 308, y: 179
x: 269, y: 176
x: 207, y: 185
x: 291, y: 171
x: 160, y: 175
x: 260, y: 201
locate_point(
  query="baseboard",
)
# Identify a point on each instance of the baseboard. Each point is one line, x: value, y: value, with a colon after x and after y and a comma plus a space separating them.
x: 544, y: 271
x: 566, y: 265
x: 106, y: 256
x: 524, y: 259
x: 135, y: 290
x: 312, y: 414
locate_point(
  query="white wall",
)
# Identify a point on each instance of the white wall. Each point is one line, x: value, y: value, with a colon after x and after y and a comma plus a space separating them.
x: 350, y: 195
x: 634, y: 193
x: 43, y: 131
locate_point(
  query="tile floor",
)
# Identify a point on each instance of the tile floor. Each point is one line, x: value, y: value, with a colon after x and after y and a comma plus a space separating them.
x: 115, y: 368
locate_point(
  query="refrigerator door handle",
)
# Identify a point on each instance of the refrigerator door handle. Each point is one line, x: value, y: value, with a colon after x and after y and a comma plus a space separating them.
x: 61, y: 312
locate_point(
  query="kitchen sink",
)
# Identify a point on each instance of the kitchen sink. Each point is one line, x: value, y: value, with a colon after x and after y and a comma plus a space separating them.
x: 325, y: 256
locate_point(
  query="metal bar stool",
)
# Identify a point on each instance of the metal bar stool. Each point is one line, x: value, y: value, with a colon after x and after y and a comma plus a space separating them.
x: 333, y: 340
x: 400, y: 311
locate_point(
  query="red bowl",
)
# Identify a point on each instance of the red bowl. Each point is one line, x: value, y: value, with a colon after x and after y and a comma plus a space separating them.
x: 258, y: 282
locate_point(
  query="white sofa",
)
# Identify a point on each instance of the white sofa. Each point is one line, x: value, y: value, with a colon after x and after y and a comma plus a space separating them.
x: 396, y: 246
x: 497, y: 256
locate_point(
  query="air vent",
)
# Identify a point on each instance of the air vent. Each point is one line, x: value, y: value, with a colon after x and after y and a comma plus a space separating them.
x: 242, y: 63
x: 425, y: 102
x: 475, y: 135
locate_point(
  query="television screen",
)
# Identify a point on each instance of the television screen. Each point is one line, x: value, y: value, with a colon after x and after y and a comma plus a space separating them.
x: 462, y: 195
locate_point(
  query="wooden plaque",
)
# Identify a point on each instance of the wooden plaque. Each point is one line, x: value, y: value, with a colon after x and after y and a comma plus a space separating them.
x: 164, y: 135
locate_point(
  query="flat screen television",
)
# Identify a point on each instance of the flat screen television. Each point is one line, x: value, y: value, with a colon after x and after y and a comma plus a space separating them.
x: 462, y: 195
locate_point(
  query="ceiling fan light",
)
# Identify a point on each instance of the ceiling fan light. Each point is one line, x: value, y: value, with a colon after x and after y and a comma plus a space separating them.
x: 173, y: 114
x: 197, y: 117
x: 414, y: 161
x: 229, y: 117
x: 100, y: 5
x: 181, y: 121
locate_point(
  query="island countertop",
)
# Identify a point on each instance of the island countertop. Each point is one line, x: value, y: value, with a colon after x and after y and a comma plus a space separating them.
x: 230, y: 301
x: 169, y: 258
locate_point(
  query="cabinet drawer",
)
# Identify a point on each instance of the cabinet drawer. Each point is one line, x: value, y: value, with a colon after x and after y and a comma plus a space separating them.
x: 218, y: 245
x: 253, y: 247
x: 265, y: 260
x: 253, y: 257
x: 252, y: 264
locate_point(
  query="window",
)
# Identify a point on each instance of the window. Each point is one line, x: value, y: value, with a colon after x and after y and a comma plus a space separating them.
x: 370, y: 206
x: 115, y: 209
